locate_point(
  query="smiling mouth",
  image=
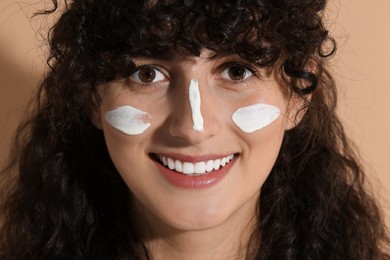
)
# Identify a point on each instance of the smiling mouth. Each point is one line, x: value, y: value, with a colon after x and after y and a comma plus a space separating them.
x: 193, y: 168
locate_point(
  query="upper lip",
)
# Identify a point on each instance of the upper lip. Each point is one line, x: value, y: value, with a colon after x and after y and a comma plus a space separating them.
x: 194, y: 158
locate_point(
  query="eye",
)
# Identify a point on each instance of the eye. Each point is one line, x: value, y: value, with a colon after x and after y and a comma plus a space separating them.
x: 236, y: 72
x: 147, y: 74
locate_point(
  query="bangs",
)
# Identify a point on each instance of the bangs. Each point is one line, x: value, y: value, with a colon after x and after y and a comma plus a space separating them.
x: 156, y: 29
x: 104, y: 37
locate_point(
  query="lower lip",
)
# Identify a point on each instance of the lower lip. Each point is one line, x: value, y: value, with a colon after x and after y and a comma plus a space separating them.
x: 194, y: 181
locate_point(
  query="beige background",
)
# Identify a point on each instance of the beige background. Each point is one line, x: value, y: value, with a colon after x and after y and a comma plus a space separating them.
x: 361, y: 67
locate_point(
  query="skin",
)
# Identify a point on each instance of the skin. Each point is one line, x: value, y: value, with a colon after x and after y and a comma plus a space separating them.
x: 208, y: 223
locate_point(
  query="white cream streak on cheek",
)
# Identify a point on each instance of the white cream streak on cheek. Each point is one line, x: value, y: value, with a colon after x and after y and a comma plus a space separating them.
x: 194, y: 96
x: 255, y: 117
x: 128, y: 120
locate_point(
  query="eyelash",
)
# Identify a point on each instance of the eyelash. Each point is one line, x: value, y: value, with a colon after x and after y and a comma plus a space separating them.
x: 136, y: 82
x: 253, y: 70
x: 156, y: 69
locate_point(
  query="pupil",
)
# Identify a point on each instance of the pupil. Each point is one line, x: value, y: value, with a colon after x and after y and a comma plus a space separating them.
x: 237, y: 72
x: 147, y: 75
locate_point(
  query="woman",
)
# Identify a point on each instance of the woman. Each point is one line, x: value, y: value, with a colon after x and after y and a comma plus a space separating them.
x: 188, y: 130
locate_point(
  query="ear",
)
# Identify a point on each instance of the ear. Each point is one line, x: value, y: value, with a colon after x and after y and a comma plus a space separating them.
x: 296, y: 109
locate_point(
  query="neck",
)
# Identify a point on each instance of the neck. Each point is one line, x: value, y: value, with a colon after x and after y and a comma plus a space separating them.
x: 228, y: 240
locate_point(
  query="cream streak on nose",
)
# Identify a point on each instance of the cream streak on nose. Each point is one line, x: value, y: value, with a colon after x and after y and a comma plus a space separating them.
x: 128, y: 120
x: 255, y: 117
x: 194, y: 96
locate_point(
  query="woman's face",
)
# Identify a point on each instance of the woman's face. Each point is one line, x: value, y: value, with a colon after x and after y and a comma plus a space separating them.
x: 194, y: 139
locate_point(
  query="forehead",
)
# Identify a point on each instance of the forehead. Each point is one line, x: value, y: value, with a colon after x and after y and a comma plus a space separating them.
x: 154, y: 28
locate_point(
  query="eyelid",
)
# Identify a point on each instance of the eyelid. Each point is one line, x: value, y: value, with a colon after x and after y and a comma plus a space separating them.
x: 153, y: 66
x: 252, y: 68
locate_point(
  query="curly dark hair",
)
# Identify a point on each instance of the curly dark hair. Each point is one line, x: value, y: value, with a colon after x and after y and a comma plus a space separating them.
x: 63, y: 197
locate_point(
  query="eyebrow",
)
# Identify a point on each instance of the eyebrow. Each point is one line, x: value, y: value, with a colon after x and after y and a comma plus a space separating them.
x: 170, y: 56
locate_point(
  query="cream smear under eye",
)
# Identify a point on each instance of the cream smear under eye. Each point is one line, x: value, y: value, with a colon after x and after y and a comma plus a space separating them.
x: 194, y: 96
x: 255, y: 117
x: 128, y: 120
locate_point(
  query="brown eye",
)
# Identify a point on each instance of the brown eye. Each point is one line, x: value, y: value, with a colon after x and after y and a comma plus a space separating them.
x: 236, y: 72
x: 147, y: 74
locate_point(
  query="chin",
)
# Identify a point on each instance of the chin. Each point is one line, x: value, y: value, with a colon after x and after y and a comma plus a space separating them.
x: 198, y: 217
x: 198, y: 224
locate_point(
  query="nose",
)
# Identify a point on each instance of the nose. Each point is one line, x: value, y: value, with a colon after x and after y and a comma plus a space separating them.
x: 194, y: 112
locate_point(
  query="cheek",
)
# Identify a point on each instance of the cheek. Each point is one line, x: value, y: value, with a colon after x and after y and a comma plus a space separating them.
x: 265, y: 148
x: 125, y: 130
x: 261, y: 127
x: 255, y: 117
x: 129, y: 120
x: 259, y: 154
x: 128, y: 155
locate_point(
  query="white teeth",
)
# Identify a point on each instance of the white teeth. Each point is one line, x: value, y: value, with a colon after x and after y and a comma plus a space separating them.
x: 217, y: 164
x: 171, y: 164
x: 223, y: 161
x: 200, y: 167
x: 178, y: 166
x: 197, y: 168
x: 188, y: 168
x: 165, y: 162
x: 209, y: 165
